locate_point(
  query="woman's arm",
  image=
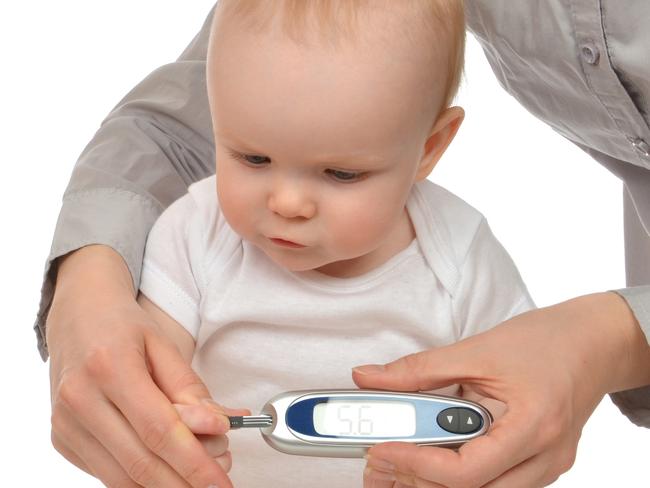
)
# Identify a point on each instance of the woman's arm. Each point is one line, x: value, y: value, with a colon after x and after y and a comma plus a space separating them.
x: 114, y: 376
x: 148, y: 150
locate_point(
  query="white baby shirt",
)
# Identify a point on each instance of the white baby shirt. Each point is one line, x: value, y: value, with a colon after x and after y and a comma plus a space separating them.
x: 261, y: 330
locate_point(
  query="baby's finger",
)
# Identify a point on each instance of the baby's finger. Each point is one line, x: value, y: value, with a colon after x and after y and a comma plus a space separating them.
x: 232, y: 412
x: 200, y: 420
x: 236, y: 411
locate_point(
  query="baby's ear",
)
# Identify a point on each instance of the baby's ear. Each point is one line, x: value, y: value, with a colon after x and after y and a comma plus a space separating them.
x: 443, y: 132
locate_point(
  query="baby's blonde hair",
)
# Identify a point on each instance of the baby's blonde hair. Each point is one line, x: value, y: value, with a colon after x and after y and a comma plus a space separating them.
x: 439, y: 22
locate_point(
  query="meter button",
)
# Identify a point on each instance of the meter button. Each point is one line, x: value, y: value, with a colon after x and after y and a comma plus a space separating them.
x: 449, y: 420
x: 468, y: 421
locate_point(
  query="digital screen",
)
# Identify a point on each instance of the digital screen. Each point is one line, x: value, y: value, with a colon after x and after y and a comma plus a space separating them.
x: 345, y: 418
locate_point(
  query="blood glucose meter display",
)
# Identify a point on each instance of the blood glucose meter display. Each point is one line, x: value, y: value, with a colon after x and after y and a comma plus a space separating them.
x: 345, y: 418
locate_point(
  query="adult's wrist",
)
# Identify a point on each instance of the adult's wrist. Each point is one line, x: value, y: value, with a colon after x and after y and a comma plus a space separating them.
x: 96, y: 272
x: 620, y: 350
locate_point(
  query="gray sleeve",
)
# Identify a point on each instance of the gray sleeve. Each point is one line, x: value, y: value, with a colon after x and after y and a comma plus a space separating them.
x: 635, y: 404
x: 150, y: 148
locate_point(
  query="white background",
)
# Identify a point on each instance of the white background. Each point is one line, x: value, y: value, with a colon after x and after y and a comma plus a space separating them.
x: 66, y: 63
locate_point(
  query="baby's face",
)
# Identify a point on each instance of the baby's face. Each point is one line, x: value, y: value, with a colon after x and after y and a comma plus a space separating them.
x: 316, y: 150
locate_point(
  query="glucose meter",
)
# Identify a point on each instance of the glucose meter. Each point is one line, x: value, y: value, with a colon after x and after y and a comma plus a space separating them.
x: 345, y: 423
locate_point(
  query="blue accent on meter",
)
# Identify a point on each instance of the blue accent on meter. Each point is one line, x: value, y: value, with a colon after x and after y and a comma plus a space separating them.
x: 300, y: 416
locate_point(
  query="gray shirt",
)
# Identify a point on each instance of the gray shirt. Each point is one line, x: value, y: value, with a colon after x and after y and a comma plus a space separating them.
x: 582, y: 66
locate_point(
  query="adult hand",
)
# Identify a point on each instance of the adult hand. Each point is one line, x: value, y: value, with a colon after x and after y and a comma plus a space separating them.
x: 114, y: 380
x: 551, y: 367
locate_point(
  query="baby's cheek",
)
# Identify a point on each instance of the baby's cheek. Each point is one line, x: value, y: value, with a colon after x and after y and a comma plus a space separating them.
x: 358, y: 234
x: 235, y: 208
x: 234, y: 213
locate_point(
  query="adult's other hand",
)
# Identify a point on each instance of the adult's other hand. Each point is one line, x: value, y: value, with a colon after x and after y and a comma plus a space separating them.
x: 551, y: 367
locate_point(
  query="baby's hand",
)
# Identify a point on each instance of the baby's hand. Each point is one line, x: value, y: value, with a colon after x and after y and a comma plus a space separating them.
x: 201, y: 422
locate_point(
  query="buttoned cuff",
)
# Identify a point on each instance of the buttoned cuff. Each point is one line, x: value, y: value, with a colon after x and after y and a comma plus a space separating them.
x: 113, y: 217
x: 635, y: 404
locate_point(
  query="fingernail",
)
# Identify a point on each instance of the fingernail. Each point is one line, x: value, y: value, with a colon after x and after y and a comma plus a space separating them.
x: 225, y: 461
x: 376, y: 463
x: 221, y: 417
x: 369, y: 369
x: 190, y: 415
x: 374, y: 475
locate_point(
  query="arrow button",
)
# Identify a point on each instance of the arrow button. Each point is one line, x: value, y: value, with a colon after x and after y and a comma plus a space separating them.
x: 449, y: 420
x: 468, y: 421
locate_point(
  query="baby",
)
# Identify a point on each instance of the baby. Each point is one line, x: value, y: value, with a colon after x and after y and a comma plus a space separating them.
x: 320, y: 244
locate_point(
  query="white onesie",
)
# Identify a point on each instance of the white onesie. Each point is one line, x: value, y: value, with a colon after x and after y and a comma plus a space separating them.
x: 261, y: 330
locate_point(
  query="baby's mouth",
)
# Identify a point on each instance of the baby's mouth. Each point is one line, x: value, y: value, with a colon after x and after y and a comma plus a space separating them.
x: 285, y: 243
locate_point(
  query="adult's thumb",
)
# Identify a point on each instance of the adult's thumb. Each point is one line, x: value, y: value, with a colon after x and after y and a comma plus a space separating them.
x: 182, y: 386
x: 173, y: 373
x: 421, y: 371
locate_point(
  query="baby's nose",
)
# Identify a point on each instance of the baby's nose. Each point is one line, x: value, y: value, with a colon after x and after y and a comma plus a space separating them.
x: 291, y: 200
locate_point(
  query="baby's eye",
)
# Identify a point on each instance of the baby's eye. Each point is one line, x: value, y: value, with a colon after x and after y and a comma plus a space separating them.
x: 344, y: 176
x: 256, y: 160
x: 250, y: 158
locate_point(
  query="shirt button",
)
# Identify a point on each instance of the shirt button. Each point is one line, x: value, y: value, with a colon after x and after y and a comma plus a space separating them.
x: 642, y: 147
x: 590, y: 53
